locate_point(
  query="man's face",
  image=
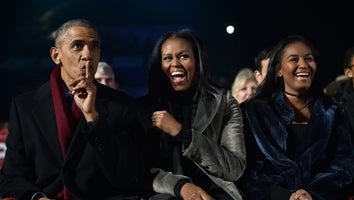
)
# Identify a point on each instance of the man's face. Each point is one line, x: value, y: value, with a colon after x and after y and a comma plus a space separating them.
x: 78, y: 54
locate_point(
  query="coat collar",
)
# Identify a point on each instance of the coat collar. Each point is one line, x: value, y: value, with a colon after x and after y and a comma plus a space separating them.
x: 44, y: 111
x: 281, y: 107
x: 271, y: 129
x: 206, y: 110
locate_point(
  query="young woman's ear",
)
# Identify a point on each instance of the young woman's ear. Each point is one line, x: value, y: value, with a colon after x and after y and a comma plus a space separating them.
x: 279, y: 74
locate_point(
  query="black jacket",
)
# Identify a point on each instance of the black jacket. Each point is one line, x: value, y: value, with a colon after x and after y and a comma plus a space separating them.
x: 101, y: 160
x: 217, y: 144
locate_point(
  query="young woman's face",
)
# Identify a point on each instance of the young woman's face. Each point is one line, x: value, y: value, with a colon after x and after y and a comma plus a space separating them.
x: 178, y: 63
x: 298, y: 68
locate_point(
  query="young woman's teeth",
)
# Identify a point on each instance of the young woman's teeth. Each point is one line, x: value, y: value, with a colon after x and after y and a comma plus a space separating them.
x: 302, y: 74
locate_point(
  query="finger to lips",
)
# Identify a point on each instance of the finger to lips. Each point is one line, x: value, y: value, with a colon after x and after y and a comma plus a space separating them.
x: 88, y: 69
x: 87, y: 75
x: 79, y: 84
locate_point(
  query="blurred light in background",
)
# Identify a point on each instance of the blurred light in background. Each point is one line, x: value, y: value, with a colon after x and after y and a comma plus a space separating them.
x: 230, y: 29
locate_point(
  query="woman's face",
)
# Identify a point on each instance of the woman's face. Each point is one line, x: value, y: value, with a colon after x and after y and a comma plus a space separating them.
x: 178, y: 63
x: 297, y: 67
x: 247, y: 91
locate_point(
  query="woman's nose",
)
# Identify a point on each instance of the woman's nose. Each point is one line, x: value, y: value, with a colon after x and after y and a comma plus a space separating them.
x: 175, y: 62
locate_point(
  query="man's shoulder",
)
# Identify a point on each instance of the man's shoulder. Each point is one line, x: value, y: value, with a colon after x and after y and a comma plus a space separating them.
x: 35, y: 93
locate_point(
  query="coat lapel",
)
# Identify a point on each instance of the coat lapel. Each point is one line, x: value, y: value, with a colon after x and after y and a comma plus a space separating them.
x: 207, y: 104
x: 44, y: 112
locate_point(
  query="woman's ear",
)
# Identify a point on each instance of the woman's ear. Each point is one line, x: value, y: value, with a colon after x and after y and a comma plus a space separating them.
x: 279, y: 74
x: 54, y: 54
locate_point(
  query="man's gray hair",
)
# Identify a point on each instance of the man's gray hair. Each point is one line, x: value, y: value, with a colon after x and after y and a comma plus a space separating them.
x: 57, y: 35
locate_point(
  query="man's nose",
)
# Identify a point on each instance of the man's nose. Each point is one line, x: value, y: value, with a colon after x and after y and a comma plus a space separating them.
x: 86, y: 53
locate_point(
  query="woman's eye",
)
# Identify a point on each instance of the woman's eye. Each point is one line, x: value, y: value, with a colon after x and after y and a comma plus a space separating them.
x: 309, y: 59
x: 294, y: 59
x: 166, y: 58
x: 184, y: 56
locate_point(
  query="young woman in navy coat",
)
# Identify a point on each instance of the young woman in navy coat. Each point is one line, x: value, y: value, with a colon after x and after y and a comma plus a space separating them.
x: 298, y: 141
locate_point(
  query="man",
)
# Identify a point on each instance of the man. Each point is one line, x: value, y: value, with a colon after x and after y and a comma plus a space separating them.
x: 71, y: 138
x: 342, y: 92
x: 105, y: 75
x: 342, y: 89
x: 261, y: 64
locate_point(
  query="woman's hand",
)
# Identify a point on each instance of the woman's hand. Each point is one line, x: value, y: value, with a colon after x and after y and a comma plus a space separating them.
x: 189, y: 191
x: 166, y: 122
x: 300, y: 194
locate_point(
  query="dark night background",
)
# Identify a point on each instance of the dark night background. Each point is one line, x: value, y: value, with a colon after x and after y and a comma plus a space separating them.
x: 130, y: 28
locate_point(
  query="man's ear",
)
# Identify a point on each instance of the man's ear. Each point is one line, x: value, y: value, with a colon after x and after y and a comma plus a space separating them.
x: 256, y: 73
x: 348, y: 73
x: 54, y: 54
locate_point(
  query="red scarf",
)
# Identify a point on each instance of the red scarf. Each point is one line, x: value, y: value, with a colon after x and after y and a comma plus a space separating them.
x: 66, y: 118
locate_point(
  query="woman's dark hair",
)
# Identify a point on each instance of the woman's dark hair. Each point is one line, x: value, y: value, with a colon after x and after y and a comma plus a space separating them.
x: 157, y: 82
x: 273, y: 84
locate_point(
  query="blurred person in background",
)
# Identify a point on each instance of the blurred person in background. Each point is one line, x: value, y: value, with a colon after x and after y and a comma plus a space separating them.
x: 4, y: 130
x: 244, y: 85
x: 105, y: 75
x: 342, y: 92
x: 342, y: 89
x: 261, y: 62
